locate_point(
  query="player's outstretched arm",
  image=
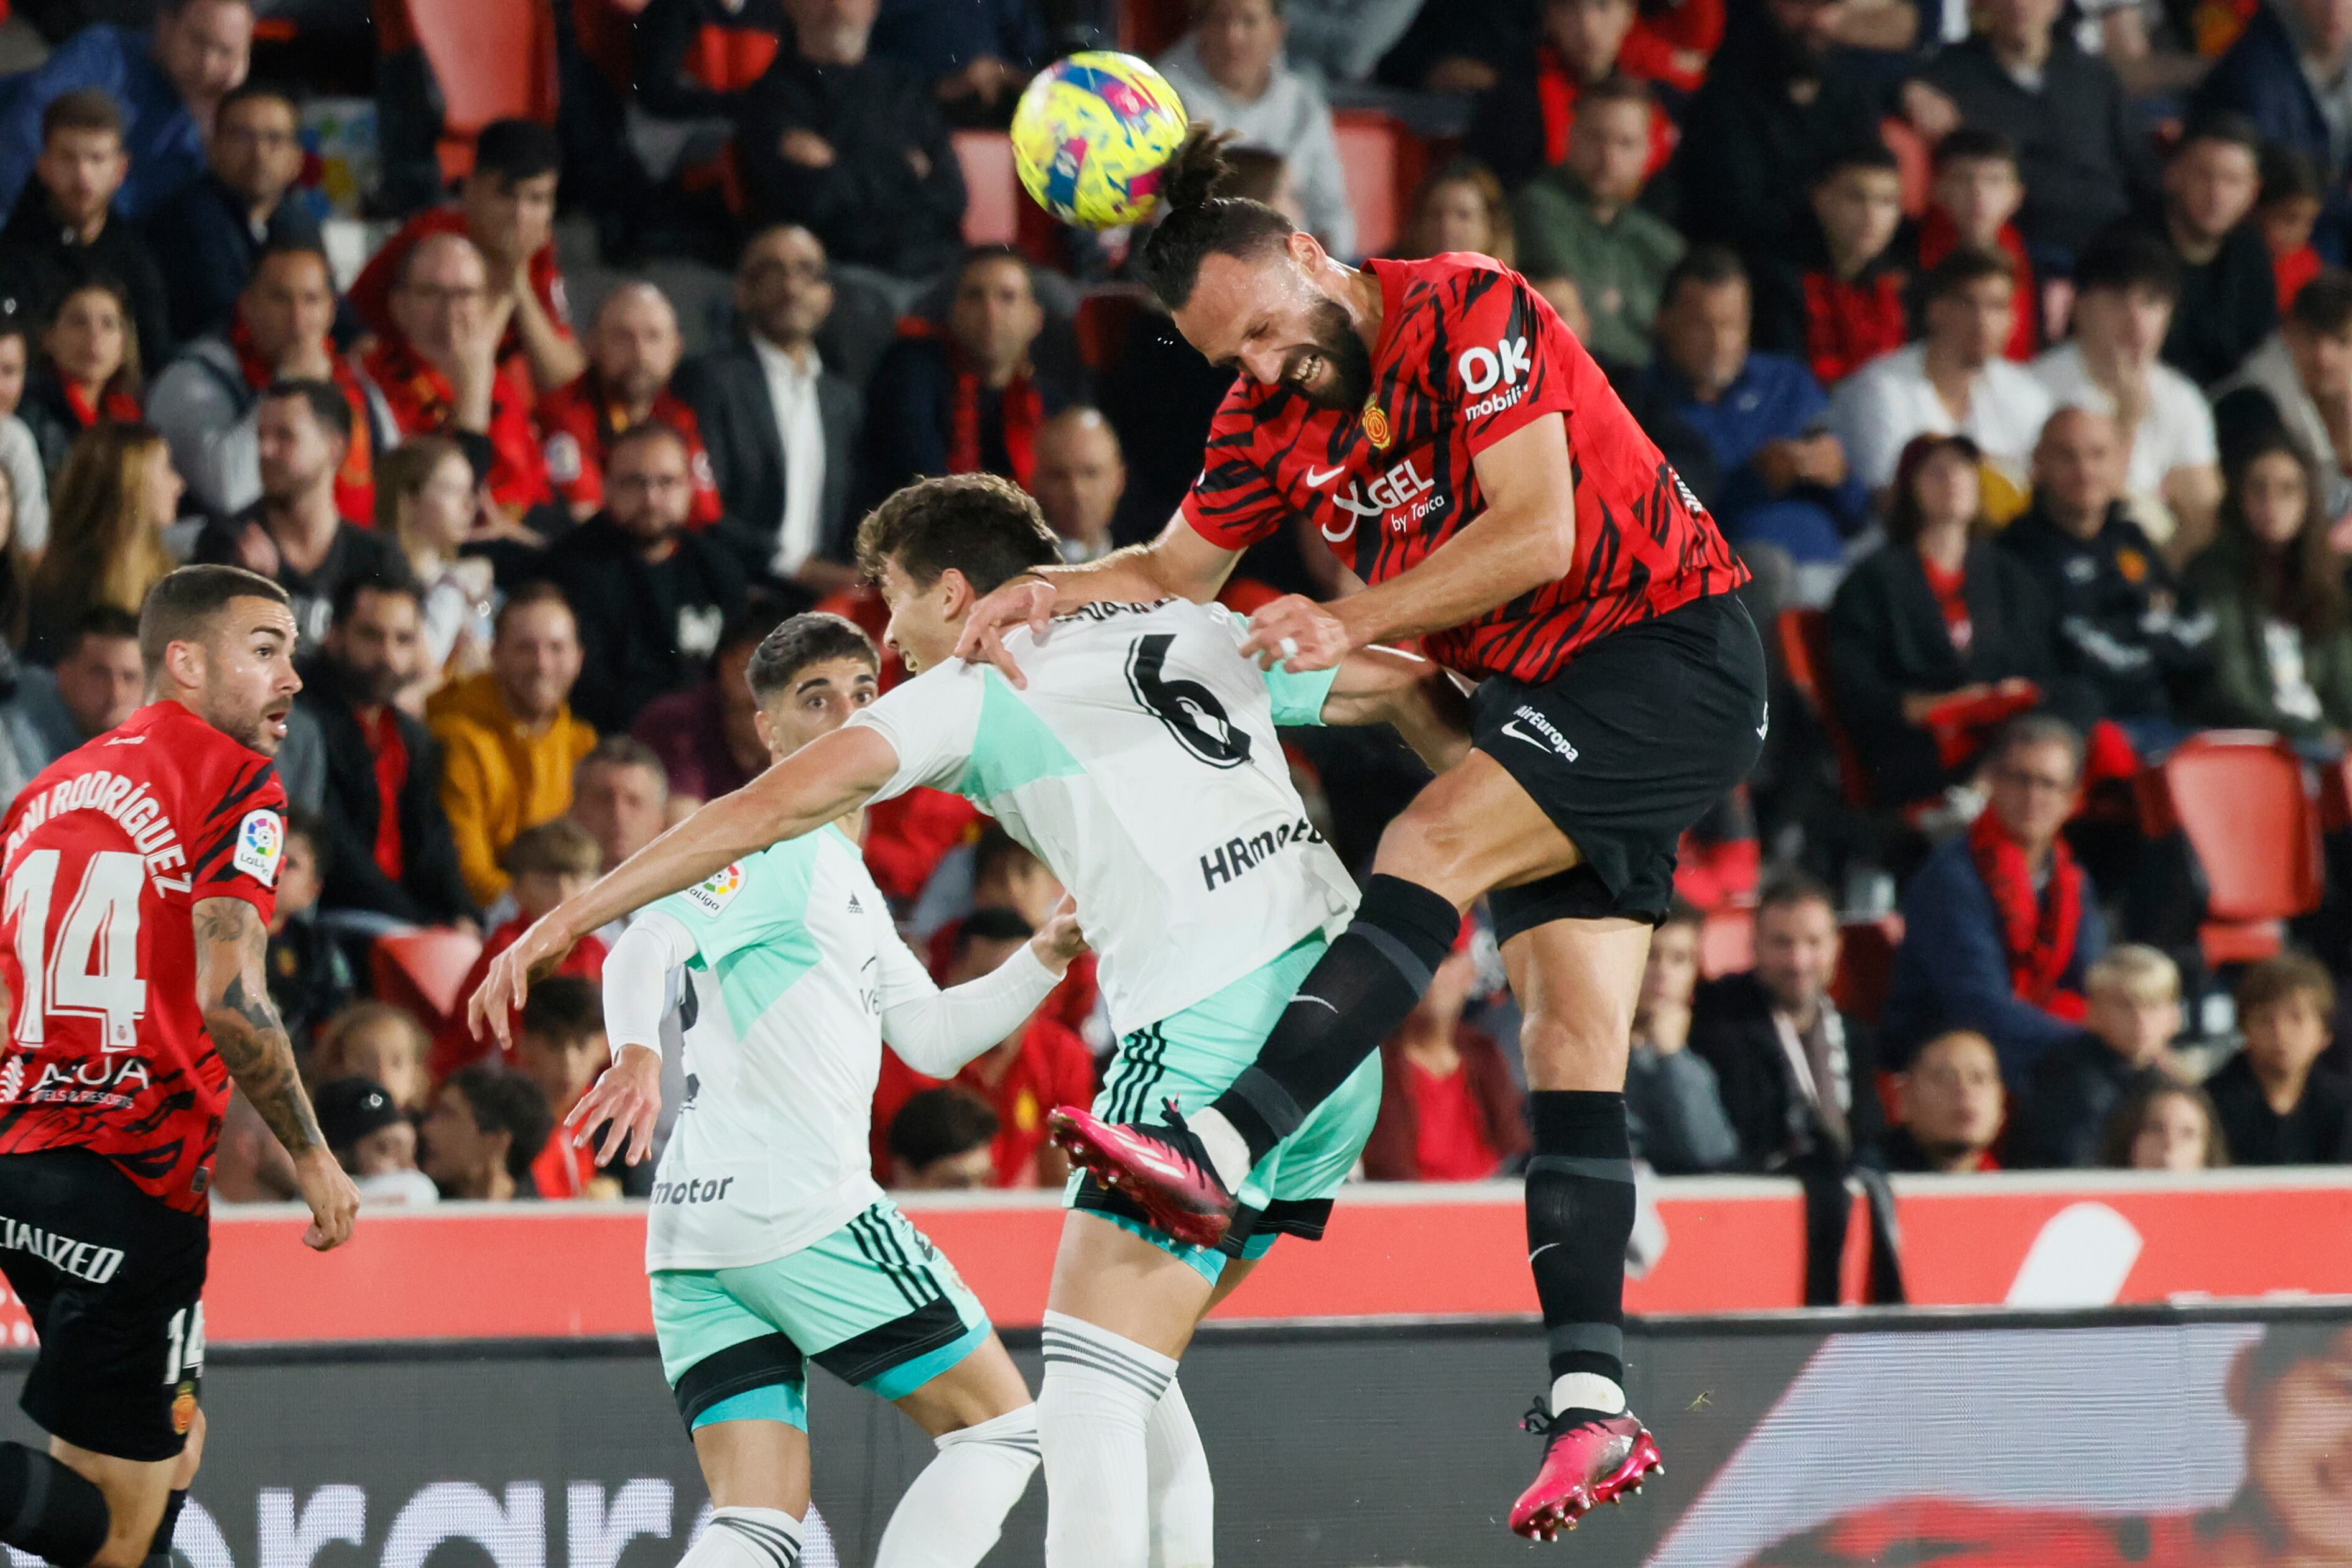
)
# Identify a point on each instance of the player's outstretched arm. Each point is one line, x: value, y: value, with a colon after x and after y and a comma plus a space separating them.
x: 1178, y: 564
x: 1387, y: 685
x: 645, y: 974
x: 823, y: 781
x: 1524, y: 538
x: 937, y: 1032
x: 231, y: 943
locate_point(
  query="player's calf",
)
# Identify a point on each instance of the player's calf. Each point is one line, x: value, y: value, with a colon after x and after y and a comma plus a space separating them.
x: 49, y: 1509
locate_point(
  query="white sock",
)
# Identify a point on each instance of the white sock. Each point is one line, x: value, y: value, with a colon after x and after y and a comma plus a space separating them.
x: 953, y: 1512
x: 1587, y: 1391
x: 1228, y: 1150
x: 747, y: 1538
x: 1092, y: 1410
x: 1183, y: 1498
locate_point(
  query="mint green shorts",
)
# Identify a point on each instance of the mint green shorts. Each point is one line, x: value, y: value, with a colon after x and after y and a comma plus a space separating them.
x: 1193, y: 1057
x: 874, y: 1303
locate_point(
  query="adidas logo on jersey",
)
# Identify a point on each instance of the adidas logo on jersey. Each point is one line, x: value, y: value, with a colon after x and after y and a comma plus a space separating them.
x: 855, y: 907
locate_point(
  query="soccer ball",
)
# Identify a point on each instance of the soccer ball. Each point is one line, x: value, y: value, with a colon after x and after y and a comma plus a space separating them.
x: 1091, y: 135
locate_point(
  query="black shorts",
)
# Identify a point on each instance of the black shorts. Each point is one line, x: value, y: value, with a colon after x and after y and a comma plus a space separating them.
x: 114, y: 1282
x: 1646, y: 731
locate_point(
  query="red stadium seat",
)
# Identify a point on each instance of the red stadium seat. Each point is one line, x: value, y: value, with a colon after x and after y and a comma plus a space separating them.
x: 1148, y: 26
x: 1383, y: 162
x: 494, y: 59
x: 1865, y: 965
x: 421, y: 971
x: 1804, y: 639
x: 1915, y: 158
x: 1103, y: 317
x: 992, y: 194
x: 2239, y: 796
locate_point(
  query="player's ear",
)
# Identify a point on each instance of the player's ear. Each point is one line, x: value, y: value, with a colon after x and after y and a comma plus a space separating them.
x: 765, y: 731
x: 1307, y: 251
x: 956, y: 592
x: 183, y: 661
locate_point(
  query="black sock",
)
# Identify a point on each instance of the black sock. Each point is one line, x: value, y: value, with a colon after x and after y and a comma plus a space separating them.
x: 49, y: 1509
x: 159, y: 1550
x: 1580, y: 1216
x: 1361, y: 990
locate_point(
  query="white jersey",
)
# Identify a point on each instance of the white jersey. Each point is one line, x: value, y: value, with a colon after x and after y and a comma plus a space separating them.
x: 783, y: 1042
x: 1141, y: 765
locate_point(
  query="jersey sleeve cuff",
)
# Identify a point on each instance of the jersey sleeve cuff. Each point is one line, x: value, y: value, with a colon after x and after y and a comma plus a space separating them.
x: 1509, y: 423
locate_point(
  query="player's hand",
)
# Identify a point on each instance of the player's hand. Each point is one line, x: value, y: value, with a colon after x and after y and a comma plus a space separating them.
x: 334, y: 1201
x: 1059, y: 940
x: 489, y: 1012
x: 1024, y: 601
x: 1298, y: 634
x: 625, y: 1100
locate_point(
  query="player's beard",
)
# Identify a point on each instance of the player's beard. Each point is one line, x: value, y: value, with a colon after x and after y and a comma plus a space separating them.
x: 1346, y: 380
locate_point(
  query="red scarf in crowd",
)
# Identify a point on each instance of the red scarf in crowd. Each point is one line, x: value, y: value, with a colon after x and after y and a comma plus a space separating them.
x: 1021, y: 405
x: 355, y: 480
x: 2037, y: 934
x: 111, y: 406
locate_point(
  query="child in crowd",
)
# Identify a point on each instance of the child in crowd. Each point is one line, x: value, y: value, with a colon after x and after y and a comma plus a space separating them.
x: 548, y: 864
x: 309, y: 977
x: 2286, y: 212
x: 561, y: 1047
x: 1948, y: 1107
x: 942, y: 1140
x: 2164, y: 1126
x: 2275, y: 1105
x: 379, y: 1041
x: 1975, y: 192
x: 1672, y: 1097
x: 373, y: 1141
x: 2132, y: 1013
x: 1844, y: 300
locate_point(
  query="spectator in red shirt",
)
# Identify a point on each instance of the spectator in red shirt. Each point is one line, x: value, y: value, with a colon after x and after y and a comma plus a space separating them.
x: 634, y: 347
x: 436, y: 368
x: 1041, y: 1065
x: 561, y: 1049
x: 942, y: 1140
x: 1841, y: 299
x: 1948, y: 1106
x: 1971, y: 202
x: 89, y: 371
x: 2286, y: 212
x: 1449, y: 1109
x: 507, y: 207
x: 545, y: 865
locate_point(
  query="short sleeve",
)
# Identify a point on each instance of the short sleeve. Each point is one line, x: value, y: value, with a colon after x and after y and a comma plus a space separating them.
x: 1234, y: 503
x: 1517, y: 359
x: 760, y: 901
x: 931, y: 722
x: 1297, y: 699
x: 243, y: 841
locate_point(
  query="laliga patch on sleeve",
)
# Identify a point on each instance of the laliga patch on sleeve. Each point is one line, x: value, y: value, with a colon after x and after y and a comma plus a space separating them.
x: 260, y: 840
x: 719, y: 892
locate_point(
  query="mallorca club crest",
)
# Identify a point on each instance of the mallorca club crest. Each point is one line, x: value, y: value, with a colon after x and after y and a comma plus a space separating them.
x: 718, y: 892
x: 1376, y: 426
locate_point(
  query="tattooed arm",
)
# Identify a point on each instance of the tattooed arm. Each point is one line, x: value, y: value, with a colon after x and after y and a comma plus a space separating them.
x: 231, y: 942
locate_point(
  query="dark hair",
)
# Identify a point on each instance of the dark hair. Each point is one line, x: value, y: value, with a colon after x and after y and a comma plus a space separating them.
x: 2285, y: 974
x: 802, y: 641
x: 2303, y: 584
x: 504, y: 1102
x: 1681, y: 911
x: 1617, y: 88
x: 1965, y: 266
x: 1252, y: 172
x: 623, y: 751
x: 84, y: 109
x: 981, y: 254
x: 992, y: 925
x: 346, y: 603
x: 996, y: 848
x: 1970, y: 143
x: 557, y: 847
x: 182, y: 607
x: 328, y: 404
x: 564, y: 1007
x: 2324, y: 304
x: 253, y: 88
x: 2123, y: 256
x: 2122, y: 1125
x: 312, y: 829
x: 1864, y: 153
x: 283, y: 247
x: 517, y: 149
x: 1707, y: 266
x: 98, y: 620
x: 2288, y: 172
x: 642, y: 432
x: 2225, y: 126
x: 1199, y: 222
x: 938, y: 1124
x: 128, y: 377
x: 1904, y: 517
x: 1794, y: 886
x: 538, y: 590
x: 986, y: 527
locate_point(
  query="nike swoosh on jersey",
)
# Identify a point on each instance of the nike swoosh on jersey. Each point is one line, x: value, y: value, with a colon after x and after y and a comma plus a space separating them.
x: 1516, y: 733
x: 1314, y: 479
x: 1319, y: 1002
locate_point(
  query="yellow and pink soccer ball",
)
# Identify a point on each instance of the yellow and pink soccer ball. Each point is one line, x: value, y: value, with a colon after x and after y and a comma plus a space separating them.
x: 1091, y: 135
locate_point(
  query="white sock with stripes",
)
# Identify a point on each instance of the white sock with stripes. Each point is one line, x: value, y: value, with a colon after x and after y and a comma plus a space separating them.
x: 1183, y: 1498
x: 747, y: 1538
x: 1092, y: 1412
x: 953, y: 1512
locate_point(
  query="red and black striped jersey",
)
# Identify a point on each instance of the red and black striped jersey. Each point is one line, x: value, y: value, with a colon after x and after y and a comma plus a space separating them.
x: 108, y: 853
x: 1468, y: 353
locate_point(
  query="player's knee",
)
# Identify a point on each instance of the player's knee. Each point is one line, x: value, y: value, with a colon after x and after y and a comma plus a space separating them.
x: 1581, y: 1047
x: 1426, y: 845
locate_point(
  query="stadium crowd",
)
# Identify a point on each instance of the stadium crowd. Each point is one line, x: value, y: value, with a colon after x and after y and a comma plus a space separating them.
x: 2008, y: 343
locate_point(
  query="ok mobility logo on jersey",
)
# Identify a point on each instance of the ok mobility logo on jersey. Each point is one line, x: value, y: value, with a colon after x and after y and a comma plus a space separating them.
x: 1481, y: 368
